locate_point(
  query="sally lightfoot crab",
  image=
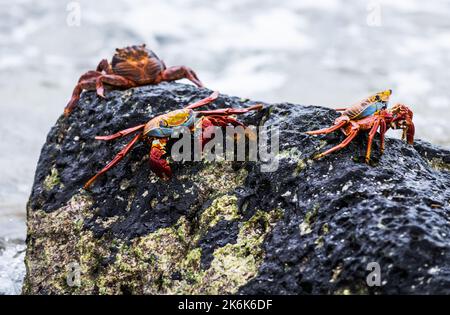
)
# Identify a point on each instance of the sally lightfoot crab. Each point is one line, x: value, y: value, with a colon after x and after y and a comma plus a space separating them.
x: 370, y: 114
x: 158, y: 130
x: 130, y: 67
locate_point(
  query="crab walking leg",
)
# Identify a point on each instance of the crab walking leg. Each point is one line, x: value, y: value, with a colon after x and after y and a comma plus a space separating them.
x: 204, y: 101
x: 343, y: 144
x: 383, y: 129
x: 207, y: 130
x: 74, y: 99
x: 181, y: 72
x: 410, y: 133
x: 111, y: 79
x: 208, y: 122
x: 372, y: 134
x: 226, y: 121
x: 335, y: 127
x: 86, y: 81
x: 219, y: 117
x: 121, y: 133
x: 223, y: 121
x: 230, y: 111
x: 114, y: 161
x: 250, y: 133
x: 206, y: 125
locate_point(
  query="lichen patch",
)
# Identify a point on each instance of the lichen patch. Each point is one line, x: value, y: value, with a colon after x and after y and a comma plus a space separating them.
x: 51, y: 180
x: 166, y: 261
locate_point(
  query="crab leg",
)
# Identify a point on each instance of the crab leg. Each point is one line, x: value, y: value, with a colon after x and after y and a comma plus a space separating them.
x: 219, y: 117
x: 251, y: 134
x: 383, y: 129
x: 86, y: 81
x: 114, y: 161
x: 111, y: 79
x: 372, y: 134
x: 204, y: 101
x: 226, y: 120
x: 206, y: 125
x: 74, y: 99
x: 410, y: 133
x: 120, y: 133
x: 230, y: 111
x: 343, y: 144
x: 181, y: 72
x: 335, y: 127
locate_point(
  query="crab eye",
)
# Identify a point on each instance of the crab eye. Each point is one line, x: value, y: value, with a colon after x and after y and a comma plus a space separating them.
x: 163, y: 123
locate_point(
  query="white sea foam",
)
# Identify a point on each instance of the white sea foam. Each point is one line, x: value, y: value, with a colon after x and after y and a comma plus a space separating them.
x: 12, y: 269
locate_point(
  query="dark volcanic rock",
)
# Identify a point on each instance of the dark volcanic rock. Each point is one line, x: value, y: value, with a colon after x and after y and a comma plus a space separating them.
x: 227, y: 227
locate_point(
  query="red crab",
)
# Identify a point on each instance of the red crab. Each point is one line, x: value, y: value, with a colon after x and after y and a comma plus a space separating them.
x: 130, y: 67
x: 159, y: 129
x: 371, y: 114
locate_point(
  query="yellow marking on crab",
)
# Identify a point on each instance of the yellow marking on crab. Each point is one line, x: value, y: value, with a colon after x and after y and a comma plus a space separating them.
x: 177, y: 117
x: 380, y: 96
x: 384, y: 96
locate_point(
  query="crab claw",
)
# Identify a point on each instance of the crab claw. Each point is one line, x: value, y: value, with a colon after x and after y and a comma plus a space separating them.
x: 158, y: 162
x: 181, y: 72
x: 402, y: 119
x: 191, y: 75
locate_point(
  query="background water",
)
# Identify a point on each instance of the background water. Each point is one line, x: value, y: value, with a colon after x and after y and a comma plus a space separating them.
x: 329, y: 53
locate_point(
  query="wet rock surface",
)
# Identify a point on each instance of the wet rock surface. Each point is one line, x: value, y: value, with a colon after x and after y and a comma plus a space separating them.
x: 228, y: 227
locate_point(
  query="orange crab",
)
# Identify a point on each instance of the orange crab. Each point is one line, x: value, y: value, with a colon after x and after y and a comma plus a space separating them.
x: 130, y: 67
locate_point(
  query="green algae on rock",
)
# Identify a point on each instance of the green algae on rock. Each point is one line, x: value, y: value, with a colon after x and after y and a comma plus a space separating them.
x: 144, y: 266
x: 52, y: 179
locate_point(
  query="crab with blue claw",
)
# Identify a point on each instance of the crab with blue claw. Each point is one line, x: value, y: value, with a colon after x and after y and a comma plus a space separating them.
x: 158, y: 130
x: 370, y: 114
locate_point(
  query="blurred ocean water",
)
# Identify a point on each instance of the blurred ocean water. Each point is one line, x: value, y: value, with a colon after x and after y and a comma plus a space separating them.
x: 328, y: 52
